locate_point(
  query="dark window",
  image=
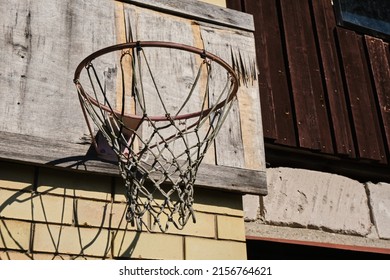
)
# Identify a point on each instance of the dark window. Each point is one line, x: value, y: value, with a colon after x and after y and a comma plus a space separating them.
x: 268, y: 250
x: 367, y: 16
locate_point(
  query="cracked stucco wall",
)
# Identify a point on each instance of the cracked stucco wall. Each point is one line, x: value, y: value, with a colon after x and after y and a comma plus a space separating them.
x: 299, y: 198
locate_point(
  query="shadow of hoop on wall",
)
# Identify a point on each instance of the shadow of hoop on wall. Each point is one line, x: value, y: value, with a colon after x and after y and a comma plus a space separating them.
x: 63, y: 215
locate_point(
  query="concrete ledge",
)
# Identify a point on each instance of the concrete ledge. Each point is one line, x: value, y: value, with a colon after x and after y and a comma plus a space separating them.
x: 380, y: 205
x: 255, y: 230
x: 317, y: 200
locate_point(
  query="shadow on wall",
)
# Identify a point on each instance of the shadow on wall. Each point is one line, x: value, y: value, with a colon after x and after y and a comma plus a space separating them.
x: 63, y: 215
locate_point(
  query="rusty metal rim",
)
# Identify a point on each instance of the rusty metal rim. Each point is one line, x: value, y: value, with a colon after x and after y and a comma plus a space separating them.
x: 159, y: 44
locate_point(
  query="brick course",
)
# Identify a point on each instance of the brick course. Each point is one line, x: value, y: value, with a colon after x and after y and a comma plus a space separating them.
x: 75, y: 216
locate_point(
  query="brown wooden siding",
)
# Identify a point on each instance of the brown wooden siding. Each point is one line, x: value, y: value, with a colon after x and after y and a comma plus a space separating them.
x: 323, y: 88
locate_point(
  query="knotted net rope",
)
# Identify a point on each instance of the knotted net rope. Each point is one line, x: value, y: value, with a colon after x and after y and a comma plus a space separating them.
x: 158, y: 157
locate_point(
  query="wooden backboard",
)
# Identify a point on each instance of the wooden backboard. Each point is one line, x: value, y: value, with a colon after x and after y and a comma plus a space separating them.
x: 44, y: 41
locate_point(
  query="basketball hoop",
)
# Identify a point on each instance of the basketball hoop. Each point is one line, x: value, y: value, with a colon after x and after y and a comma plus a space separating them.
x: 159, y: 144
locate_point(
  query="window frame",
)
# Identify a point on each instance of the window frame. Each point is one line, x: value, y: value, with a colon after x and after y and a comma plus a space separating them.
x: 341, y: 21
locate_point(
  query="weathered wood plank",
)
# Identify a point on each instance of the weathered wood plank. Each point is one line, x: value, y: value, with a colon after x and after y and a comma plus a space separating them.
x: 229, y: 147
x: 309, y: 99
x: 42, y: 52
x: 249, y: 107
x: 380, y: 68
x: 275, y: 97
x: 363, y: 107
x: 60, y: 154
x: 251, y: 130
x: 199, y: 11
x: 210, y: 156
x: 42, y: 43
x: 325, y: 23
x: 123, y: 86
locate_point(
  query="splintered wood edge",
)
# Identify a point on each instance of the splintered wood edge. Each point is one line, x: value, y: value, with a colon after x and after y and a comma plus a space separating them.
x: 80, y: 157
x: 199, y: 11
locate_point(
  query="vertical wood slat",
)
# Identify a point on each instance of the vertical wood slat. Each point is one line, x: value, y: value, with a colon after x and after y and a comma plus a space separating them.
x: 229, y: 146
x: 267, y: 96
x: 311, y: 111
x: 387, y: 47
x: 324, y: 23
x: 380, y: 68
x: 352, y: 128
x: 365, y: 119
x: 235, y: 5
x: 275, y: 98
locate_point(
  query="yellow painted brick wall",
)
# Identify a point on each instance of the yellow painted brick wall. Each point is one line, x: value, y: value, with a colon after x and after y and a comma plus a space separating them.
x: 59, y: 214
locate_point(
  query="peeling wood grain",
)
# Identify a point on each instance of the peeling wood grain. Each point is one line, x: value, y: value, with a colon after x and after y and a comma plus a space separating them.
x: 229, y: 148
x: 44, y: 42
x: 249, y: 105
x: 237, y: 143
